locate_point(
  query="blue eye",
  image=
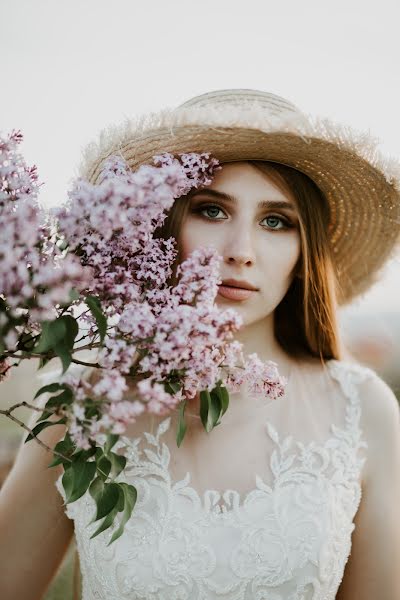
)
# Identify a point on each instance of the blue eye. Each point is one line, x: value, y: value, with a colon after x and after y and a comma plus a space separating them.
x: 206, y: 207
x: 276, y: 219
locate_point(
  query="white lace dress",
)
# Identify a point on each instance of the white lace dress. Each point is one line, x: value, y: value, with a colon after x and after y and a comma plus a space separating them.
x: 286, y: 537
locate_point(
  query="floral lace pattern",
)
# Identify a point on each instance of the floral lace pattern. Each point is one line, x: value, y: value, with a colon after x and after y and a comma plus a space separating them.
x: 286, y: 541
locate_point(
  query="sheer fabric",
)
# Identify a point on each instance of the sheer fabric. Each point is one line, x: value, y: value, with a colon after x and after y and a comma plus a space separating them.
x: 265, y: 511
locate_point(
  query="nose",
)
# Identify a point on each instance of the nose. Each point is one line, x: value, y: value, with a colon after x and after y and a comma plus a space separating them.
x: 239, y: 248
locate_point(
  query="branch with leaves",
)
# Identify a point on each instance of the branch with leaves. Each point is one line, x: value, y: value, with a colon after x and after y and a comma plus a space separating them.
x: 91, y: 275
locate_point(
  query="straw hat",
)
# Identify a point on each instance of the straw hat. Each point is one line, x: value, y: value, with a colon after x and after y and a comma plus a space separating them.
x: 361, y: 185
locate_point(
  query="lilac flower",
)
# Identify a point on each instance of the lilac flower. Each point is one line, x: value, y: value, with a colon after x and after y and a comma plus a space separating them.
x: 101, y: 241
x: 263, y: 378
x: 158, y: 401
x: 110, y: 226
x: 33, y: 279
x: 112, y: 385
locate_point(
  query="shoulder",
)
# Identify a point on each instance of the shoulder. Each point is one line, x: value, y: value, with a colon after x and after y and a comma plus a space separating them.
x: 375, y: 542
x: 378, y: 400
x: 380, y: 414
x: 379, y: 417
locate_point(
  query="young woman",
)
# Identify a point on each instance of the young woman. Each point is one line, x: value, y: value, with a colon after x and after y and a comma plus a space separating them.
x: 293, y: 499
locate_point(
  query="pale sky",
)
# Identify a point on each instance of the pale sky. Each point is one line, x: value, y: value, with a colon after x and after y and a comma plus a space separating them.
x: 71, y: 68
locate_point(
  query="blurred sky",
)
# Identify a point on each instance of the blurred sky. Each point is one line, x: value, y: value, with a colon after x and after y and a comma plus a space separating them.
x: 71, y: 68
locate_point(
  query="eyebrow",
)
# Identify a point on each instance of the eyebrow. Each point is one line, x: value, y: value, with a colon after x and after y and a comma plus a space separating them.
x: 262, y: 205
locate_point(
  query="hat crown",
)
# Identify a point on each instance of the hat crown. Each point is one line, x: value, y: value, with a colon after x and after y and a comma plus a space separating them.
x: 242, y: 98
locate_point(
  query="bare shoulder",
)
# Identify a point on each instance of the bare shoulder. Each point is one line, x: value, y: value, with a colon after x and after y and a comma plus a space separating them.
x: 379, y: 402
x: 380, y: 422
x: 372, y: 570
x: 380, y: 411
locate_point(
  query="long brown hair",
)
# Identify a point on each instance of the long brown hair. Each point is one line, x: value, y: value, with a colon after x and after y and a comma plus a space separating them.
x: 305, y: 321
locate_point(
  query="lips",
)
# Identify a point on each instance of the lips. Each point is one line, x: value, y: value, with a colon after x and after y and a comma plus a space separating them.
x: 235, y: 293
x: 237, y: 283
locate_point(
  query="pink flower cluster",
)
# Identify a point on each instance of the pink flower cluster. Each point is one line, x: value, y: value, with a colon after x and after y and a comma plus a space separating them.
x: 101, y: 244
x: 158, y: 330
x: 169, y: 335
x: 188, y: 335
x: 262, y: 378
x: 34, y: 275
x: 110, y: 225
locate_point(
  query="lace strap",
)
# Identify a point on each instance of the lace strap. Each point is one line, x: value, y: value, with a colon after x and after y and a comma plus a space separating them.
x: 350, y: 376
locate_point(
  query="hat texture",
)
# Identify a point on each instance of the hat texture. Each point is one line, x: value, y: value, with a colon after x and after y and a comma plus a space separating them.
x: 362, y: 186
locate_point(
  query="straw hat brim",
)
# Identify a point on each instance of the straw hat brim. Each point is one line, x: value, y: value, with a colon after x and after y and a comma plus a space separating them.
x: 361, y: 185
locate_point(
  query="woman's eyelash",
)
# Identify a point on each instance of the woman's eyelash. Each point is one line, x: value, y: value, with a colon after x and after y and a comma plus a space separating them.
x: 202, y: 207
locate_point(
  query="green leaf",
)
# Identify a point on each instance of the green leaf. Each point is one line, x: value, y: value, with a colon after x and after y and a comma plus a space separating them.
x: 52, y: 333
x: 66, y: 447
x: 180, y: 434
x: 66, y: 397
x: 118, y: 463
x: 107, y: 500
x: 82, y: 474
x: 92, y: 411
x: 43, y: 360
x: 104, y: 464
x: 224, y: 396
x: 82, y: 454
x: 108, y: 521
x: 38, y: 428
x: 51, y: 387
x: 68, y: 481
x: 205, y: 410
x: 45, y: 415
x: 96, y: 488
x: 72, y: 330
x: 130, y: 495
x: 172, y: 387
x: 26, y: 342
x: 73, y: 294
x: 89, y: 452
x: 121, y: 500
x: 215, y: 408
x: 59, y: 336
x: 95, y: 308
x: 112, y: 439
x: 56, y: 461
x: 64, y: 353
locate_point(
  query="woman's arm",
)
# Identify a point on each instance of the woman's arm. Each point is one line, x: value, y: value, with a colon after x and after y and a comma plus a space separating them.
x: 34, y: 529
x: 373, y: 569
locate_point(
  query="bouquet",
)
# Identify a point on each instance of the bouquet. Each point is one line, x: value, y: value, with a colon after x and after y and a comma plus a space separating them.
x: 91, y: 275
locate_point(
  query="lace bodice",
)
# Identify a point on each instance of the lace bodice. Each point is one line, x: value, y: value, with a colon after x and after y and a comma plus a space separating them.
x: 288, y: 538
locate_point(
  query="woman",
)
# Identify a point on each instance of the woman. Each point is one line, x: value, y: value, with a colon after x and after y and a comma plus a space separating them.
x: 270, y: 504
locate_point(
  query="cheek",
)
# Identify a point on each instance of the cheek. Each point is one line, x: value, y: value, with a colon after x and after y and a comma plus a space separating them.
x: 283, y: 253
x: 193, y: 236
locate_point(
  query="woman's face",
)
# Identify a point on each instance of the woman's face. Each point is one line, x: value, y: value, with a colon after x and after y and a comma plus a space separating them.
x: 259, y: 244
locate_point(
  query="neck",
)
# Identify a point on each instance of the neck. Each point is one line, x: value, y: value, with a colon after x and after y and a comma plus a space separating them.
x: 259, y: 338
x: 267, y: 349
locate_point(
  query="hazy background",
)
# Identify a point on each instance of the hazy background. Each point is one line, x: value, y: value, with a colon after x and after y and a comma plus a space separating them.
x: 69, y: 69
